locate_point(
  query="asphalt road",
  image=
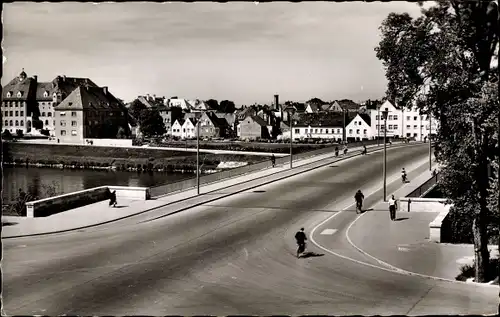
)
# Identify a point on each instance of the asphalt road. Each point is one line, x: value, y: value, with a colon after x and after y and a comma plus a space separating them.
x: 231, y: 256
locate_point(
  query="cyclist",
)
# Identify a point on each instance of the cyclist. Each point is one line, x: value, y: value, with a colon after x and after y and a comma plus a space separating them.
x: 301, y: 238
x: 403, y: 175
x: 359, y: 200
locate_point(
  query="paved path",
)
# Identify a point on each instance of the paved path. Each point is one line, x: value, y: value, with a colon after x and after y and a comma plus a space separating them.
x: 235, y: 255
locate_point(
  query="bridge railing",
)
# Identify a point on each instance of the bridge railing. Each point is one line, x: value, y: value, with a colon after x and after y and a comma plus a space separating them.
x: 190, y: 183
x: 423, y: 189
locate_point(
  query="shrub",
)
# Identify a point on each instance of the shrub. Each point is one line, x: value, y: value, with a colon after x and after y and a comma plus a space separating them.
x: 467, y: 271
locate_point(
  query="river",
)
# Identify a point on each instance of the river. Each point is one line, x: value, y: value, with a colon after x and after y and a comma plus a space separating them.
x: 39, y: 182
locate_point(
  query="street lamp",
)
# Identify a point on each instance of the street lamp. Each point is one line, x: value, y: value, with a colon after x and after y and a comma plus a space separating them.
x: 198, y: 157
x: 344, y: 111
x: 430, y: 141
x: 291, y: 111
x: 384, y: 117
x: 378, y: 127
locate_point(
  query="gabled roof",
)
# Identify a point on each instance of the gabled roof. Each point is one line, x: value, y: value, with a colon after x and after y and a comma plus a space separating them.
x: 192, y: 120
x: 180, y: 120
x: 89, y: 98
x: 258, y: 120
x: 18, y: 84
x: 314, y: 107
x: 366, y: 117
x: 348, y: 104
x: 325, y: 120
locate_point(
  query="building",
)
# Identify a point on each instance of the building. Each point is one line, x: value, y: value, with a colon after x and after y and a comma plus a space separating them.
x: 402, y: 122
x: 181, y: 103
x: 253, y: 128
x: 211, y: 126
x: 51, y: 94
x: 19, y: 104
x: 90, y: 113
x: 189, y: 128
x: 177, y: 128
x: 359, y: 128
x: 316, y: 126
x: 169, y: 115
x: 346, y: 105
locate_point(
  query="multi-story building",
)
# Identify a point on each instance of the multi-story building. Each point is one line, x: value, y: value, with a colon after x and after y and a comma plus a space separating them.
x: 359, y: 128
x: 403, y: 122
x: 89, y: 113
x: 19, y: 104
x: 169, y: 115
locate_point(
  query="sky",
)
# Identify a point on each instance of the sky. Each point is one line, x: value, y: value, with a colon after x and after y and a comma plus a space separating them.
x: 241, y: 51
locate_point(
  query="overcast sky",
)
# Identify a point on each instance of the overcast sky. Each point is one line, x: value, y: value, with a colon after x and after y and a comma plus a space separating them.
x: 244, y: 52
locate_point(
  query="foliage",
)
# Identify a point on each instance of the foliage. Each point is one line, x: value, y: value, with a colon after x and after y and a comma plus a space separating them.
x: 441, y: 62
x: 19, y: 133
x: 227, y: 106
x: 468, y: 271
x: 212, y: 104
x: 121, y: 134
x: 45, y: 132
x: 135, y: 109
x: 151, y: 123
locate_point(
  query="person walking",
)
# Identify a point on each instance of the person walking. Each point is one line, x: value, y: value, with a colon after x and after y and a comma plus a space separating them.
x: 336, y: 151
x: 112, y: 199
x: 358, y: 197
x: 273, y: 160
x: 392, y: 207
x: 301, y: 238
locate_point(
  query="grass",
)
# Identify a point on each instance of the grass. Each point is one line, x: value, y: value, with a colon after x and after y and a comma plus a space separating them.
x: 468, y: 271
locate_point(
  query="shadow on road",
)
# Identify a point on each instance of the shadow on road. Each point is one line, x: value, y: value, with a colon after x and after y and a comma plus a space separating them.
x: 401, y: 219
x: 9, y: 223
x: 333, y: 166
x: 310, y: 255
x: 120, y: 206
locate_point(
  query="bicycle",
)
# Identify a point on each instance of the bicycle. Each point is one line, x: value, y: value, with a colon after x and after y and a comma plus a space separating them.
x: 359, y: 205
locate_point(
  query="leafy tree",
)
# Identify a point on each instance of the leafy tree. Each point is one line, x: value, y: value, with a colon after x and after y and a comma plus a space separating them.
x: 19, y: 133
x: 136, y: 107
x: 212, y: 104
x: 227, y: 106
x: 121, y: 134
x: 6, y: 134
x: 151, y: 123
x: 317, y: 101
x: 441, y: 62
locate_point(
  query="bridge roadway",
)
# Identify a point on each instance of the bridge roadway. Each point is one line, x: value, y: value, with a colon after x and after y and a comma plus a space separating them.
x: 235, y: 255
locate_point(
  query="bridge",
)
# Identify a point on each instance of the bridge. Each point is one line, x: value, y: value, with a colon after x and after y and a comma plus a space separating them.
x: 231, y: 250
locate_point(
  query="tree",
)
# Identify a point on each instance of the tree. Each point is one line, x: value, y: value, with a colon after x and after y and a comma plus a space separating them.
x: 227, y: 106
x: 151, y: 123
x: 121, y: 134
x: 212, y: 104
x: 441, y: 62
x: 135, y: 108
x: 19, y: 133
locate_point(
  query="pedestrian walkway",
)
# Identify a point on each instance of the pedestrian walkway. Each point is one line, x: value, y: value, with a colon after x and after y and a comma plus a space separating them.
x: 405, y: 244
x: 100, y: 213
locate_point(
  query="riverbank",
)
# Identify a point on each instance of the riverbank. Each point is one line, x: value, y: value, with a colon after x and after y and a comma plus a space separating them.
x: 124, y: 159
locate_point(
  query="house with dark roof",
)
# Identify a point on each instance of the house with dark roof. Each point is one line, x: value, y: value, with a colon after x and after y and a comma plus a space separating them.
x: 90, y: 113
x: 169, y: 115
x: 347, y: 105
x: 359, y: 128
x: 211, y: 126
x: 189, y: 129
x: 19, y: 104
x: 177, y: 127
x: 319, y: 126
x: 253, y: 128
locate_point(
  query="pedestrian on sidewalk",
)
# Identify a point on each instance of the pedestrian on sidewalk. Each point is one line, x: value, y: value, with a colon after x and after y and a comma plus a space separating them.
x: 273, y: 160
x: 112, y: 199
x: 301, y: 238
x: 336, y: 151
x: 392, y: 208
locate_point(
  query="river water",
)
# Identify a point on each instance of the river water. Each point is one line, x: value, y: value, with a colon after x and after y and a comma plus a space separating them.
x: 40, y: 182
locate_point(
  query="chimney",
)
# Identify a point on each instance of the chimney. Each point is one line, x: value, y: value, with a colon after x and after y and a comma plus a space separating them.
x: 154, y: 97
x: 64, y: 77
x: 276, y: 102
x: 35, y: 77
x: 105, y: 89
x: 148, y: 97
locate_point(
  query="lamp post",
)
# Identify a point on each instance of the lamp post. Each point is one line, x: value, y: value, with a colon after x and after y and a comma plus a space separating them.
x: 291, y: 111
x: 430, y: 141
x: 345, y: 132
x: 198, y: 157
x: 378, y: 127
x: 384, y: 117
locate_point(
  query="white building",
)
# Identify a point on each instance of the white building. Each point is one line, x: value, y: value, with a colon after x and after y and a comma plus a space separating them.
x: 402, y: 122
x: 182, y: 103
x: 325, y: 127
x: 189, y: 129
x: 359, y: 128
x: 177, y: 128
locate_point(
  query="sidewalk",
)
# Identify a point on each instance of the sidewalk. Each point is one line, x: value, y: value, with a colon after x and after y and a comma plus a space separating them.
x: 100, y: 213
x: 404, y: 244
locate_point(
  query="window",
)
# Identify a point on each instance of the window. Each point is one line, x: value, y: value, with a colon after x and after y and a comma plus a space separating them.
x: 46, y: 94
x: 415, y: 118
x: 395, y: 117
x: 9, y: 94
x: 63, y: 123
x: 377, y: 127
x: 11, y: 123
x: 390, y: 117
x: 73, y: 113
x: 19, y: 94
x: 377, y: 117
x: 54, y: 122
x: 63, y: 114
x: 338, y: 130
x: 49, y: 114
x: 22, y: 123
x: 73, y: 132
x: 408, y: 118
x: 364, y: 131
x: 408, y: 134
x: 73, y: 123
x: 395, y: 127
x: 357, y: 131
x: 408, y: 126
x: 297, y: 131
x: 6, y: 123
x: 46, y: 122
x: 11, y: 113
x: 390, y: 126
x: 6, y: 113
x: 350, y: 131
x: 355, y: 122
x: 184, y: 130
x: 17, y: 123
x: 415, y: 126
x: 326, y: 131
x: 43, y: 114
x: 320, y: 130
x: 315, y: 130
x: 17, y: 113
x: 22, y: 113
x: 307, y: 131
x: 63, y: 132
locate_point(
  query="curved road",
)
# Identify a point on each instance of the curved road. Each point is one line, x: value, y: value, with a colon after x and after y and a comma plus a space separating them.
x: 235, y: 255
